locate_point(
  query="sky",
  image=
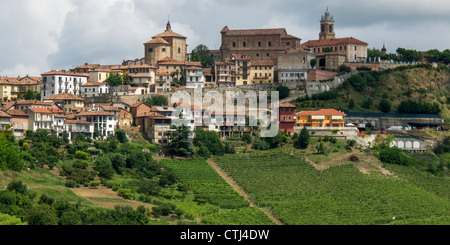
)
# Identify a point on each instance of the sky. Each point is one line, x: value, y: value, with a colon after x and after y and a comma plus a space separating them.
x: 37, y: 36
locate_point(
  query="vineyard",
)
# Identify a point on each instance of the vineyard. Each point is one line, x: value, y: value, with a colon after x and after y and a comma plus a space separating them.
x: 222, y: 204
x: 301, y: 195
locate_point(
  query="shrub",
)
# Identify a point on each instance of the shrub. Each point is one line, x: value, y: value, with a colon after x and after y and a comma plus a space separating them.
x: 71, y: 184
x: 80, y: 164
x: 104, y: 167
x: 354, y: 158
x: 81, y: 155
x: 126, y: 193
x: 121, y: 135
x: 18, y: 186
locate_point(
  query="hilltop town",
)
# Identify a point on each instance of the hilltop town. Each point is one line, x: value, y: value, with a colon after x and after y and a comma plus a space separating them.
x: 361, y: 135
x: 86, y: 100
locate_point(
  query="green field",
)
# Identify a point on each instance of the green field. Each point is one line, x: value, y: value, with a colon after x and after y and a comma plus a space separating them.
x: 298, y: 194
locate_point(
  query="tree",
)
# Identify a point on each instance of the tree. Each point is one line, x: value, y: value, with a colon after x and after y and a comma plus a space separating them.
x: 29, y: 95
x: 313, y: 63
x: 209, y: 139
x: 384, y: 106
x: 247, y: 138
x: 303, y: 139
x: 320, y: 148
x: 203, y: 54
x: 157, y: 100
x: 114, y: 80
x: 284, y: 91
x: 180, y: 143
x: 104, y: 167
x: 121, y: 135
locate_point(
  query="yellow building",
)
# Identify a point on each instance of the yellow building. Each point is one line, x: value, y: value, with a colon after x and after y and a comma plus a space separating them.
x: 14, y: 87
x: 66, y: 101
x: 261, y: 71
x: 321, y: 118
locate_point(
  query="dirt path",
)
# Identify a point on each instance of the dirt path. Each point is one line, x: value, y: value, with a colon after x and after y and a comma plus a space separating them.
x: 233, y: 184
x: 365, y: 164
x: 105, y: 197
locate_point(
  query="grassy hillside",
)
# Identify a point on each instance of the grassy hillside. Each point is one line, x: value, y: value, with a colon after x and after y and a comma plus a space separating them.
x: 364, y: 92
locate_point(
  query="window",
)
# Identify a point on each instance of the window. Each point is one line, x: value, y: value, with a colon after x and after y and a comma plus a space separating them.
x: 234, y: 44
x: 163, y: 50
x: 179, y: 50
x: 259, y: 44
x: 269, y: 44
x: 244, y: 44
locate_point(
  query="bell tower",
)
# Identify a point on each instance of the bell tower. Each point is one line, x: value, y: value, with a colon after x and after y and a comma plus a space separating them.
x: 327, y: 27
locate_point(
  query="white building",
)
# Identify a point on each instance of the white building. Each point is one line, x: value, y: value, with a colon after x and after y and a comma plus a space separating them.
x: 58, y: 82
x: 103, y: 121
x: 194, y: 77
x: 94, y: 89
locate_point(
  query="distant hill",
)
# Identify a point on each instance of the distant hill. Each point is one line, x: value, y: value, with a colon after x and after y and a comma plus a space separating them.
x: 408, y: 89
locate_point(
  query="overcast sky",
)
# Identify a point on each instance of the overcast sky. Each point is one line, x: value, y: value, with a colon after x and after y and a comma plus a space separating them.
x: 40, y: 35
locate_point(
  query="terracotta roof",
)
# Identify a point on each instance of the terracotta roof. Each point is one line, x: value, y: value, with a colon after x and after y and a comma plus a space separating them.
x: 335, y: 41
x: 158, y: 40
x: 17, y: 81
x: 241, y: 57
x: 173, y: 63
x: 194, y: 68
x: 4, y: 114
x: 92, y: 84
x: 151, y: 114
x: 322, y: 112
x: 65, y: 73
x: 94, y: 113
x: 7, y: 104
x: 40, y: 110
x: 64, y: 96
x: 33, y: 102
x: 162, y: 74
x: 110, y: 108
x: 169, y: 33
x: 166, y: 59
x: 287, y: 36
x: 287, y: 104
x: 77, y: 122
x: 253, y: 32
x: 87, y: 66
x: 14, y: 112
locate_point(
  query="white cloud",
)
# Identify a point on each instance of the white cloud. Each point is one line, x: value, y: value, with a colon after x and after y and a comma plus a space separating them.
x: 53, y: 34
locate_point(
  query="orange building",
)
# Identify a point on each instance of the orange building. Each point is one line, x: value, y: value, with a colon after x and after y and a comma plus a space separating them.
x: 321, y: 118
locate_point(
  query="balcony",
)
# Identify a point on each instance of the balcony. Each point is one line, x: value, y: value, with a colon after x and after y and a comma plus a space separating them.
x: 261, y: 77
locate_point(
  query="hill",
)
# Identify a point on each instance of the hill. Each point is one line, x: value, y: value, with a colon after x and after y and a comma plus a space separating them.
x: 408, y: 89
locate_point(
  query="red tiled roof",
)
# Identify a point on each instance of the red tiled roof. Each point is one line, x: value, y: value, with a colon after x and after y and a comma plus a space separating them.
x: 92, y: 84
x: 158, y: 40
x: 40, y: 110
x: 76, y: 122
x: 14, y: 112
x: 254, y: 32
x: 169, y: 33
x: 287, y: 104
x: 65, y: 73
x: 4, y: 114
x: 166, y: 59
x: 322, y: 112
x: 162, y: 74
x: 335, y: 41
x: 94, y: 113
x: 64, y: 96
x: 33, y: 102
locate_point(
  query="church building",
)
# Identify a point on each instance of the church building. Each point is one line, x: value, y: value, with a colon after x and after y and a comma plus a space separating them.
x: 166, y: 44
x: 332, y: 52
